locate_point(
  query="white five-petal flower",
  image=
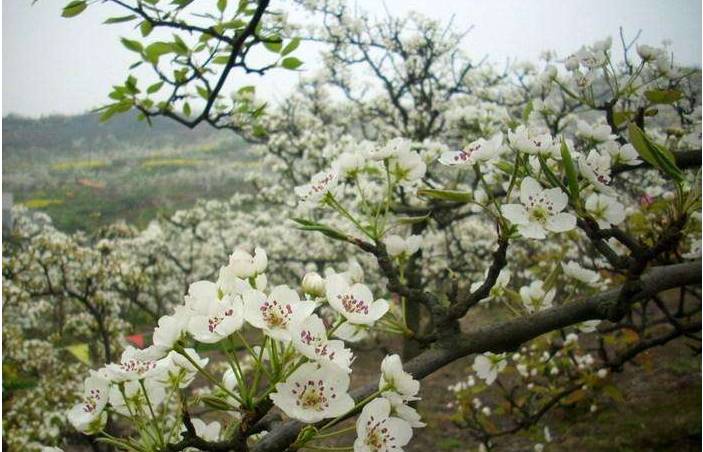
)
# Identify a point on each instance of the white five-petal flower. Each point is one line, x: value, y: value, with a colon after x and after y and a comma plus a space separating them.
x: 86, y: 416
x: 377, y: 431
x: 309, y: 337
x: 395, y: 380
x: 313, y: 393
x: 478, y: 151
x: 276, y: 313
x: 534, y: 298
x: 540, y: 211
x: 355, y: 302
x: 596, y: 169
x: 320, y: 184
x: 488, y: 365
x: 605, y: 209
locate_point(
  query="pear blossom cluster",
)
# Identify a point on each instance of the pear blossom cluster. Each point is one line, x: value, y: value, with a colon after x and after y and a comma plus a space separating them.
x: 501, y: 147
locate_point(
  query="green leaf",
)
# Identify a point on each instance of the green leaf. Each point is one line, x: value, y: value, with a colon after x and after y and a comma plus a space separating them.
x: 81, y: 352
x: 274, y: 47
x: 202, y: 91
x: 291, y: 63
x: 654, y: 154
x: 134, y: 46
x: 621, y: 117
x: 551, y: 177
x: 186, y: 109
x: 663, y: 96
x: 155, y: 50
x: 221, y: 5
x: 614, y: 393
x: 291, y: 46
x: 154, y: 88
x: 145, y: 28
x: 413, y: 220
x: 447, y: 195
x: 179, y: 46
x: 74, y: 8
x: 222, y: 59
x: 117, y: 20
x: 570, y: 169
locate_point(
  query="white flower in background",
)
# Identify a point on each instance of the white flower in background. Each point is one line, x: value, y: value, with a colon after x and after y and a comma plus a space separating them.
x: 355, y: 302
x: 540, y: 211
x: 596, y: 132
x: 596, y: 169
x: 377, y: 431
x: 582, y: 80
x: 574, y: 270
x: 498, y: 288
x: 208, y: 432
x: 488, y: 365
x: 244, y: 265
x: 403, y: 411
x: 349, y: 163
x: 309, y: 337
x: 407, y: 167
x: 694, y: 251
x: 648, y: 53
x: 352, y: 333
x: 533, y: 142
x: 277, y: 312
x: 320, y: 184
x: 313, y: 284
x: 591, y: 59
x: 534, y: 298
x: 135, y: 364
x: 231, y: 284
x: 395, y: 380
x: 572, y: 63
x: 621, y: 155
x: 179, y: 370
x: 588, y: 326
x: 477, y: 151
x: 313, y: 393
x: 133, y: 394
x: 170, y: 329
x: 212, y: 323
x: 393, y: 148
x: 398, y: 246
x: 605, y: 210
x: 87, y: 416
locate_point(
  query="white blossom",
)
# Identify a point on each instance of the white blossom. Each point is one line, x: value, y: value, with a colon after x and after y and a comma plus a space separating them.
x: 488, y: 365
x: 478, y: 151
x: 377, y: 431
x: 605, y: 210
x: 313, y: 393
x: 534, y: 298
x: 396, y: 380
x: 277, y: 312
x: 540, y: 211
x: 309, y: 337
x: 576, y: 271
x: 355, y: 302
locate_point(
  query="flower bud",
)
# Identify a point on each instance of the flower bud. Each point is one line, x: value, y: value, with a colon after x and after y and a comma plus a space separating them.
x: 313, y: 284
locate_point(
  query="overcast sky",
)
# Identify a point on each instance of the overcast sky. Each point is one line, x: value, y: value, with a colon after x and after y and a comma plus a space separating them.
x: 57, y: 65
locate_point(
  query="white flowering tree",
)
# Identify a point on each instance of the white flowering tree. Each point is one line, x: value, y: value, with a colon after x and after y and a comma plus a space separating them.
x: 566, y: 199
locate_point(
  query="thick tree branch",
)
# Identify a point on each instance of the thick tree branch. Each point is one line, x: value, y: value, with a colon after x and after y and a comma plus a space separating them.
x: 508, y: 335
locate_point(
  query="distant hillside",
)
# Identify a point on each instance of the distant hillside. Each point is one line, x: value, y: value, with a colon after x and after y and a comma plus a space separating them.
x: 86, y: 132
x: 86, y: 174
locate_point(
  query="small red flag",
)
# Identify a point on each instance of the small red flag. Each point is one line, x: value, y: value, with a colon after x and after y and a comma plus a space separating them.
x: 137, y: 340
